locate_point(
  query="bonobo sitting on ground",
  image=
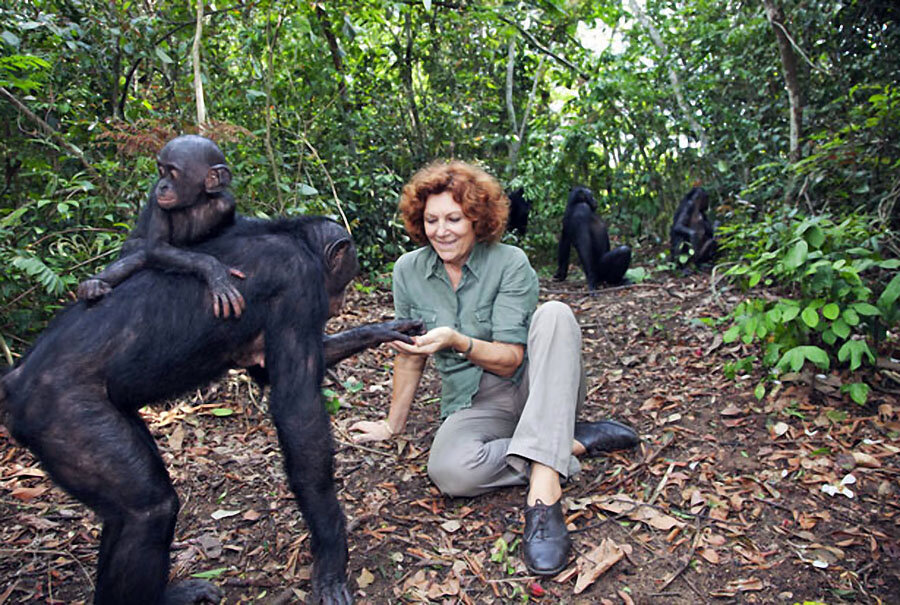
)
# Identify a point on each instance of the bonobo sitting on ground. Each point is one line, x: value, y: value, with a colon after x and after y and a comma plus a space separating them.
x: 588, y: 233
x: 188, y: 204
x: 517, y: 221
x: 691, y: 234
x: 73, y: 400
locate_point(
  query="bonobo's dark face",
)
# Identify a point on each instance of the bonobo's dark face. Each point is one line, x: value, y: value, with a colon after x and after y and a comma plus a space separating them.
x: 702, y: 201
x: 339, y: 276
x: 189, y: 166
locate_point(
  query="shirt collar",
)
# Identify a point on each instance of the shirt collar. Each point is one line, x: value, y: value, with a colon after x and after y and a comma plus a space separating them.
x: 474, y: 263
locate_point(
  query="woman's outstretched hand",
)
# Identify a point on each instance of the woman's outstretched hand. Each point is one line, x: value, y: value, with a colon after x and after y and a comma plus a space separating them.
x: 432, y: 341
x: 366, y: 430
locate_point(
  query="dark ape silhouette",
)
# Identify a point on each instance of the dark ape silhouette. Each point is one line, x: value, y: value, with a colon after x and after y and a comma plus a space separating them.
x: 588, y: 233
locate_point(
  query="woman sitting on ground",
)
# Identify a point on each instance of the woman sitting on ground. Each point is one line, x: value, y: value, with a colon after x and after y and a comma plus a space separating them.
x: 512, y: 377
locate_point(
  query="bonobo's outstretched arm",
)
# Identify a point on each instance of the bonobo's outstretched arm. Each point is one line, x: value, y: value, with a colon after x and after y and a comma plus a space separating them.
x: 335, y: 347
x: 350, y: 342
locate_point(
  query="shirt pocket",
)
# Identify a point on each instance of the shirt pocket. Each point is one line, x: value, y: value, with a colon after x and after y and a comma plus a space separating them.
x: 429, y: 316
x: 482, y: 327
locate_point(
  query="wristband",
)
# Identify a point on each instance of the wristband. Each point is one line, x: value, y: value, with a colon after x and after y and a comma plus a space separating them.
x: 469, y: 349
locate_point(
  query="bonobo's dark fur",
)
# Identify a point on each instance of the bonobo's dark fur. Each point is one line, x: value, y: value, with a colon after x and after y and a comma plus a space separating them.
x: 691, y: 232
x: 588, y: 233
x: 74, y: 398
x: 189, y: 203
x: 517, y: 222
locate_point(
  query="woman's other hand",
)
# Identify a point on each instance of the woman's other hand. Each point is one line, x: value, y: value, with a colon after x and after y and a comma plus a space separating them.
x: 366, y: 430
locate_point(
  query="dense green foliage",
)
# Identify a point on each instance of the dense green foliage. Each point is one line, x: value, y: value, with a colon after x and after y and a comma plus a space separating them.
x: 328, y: 107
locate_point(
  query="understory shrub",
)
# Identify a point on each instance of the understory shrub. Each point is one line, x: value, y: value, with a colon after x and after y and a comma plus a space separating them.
x: 838, y: 296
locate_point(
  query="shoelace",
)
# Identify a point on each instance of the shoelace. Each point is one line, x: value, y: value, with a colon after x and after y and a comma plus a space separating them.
x: 540, y: 524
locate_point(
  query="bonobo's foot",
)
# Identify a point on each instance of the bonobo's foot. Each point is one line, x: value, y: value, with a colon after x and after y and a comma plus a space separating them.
x: 93, y: 289
x: 190, y: 592
x: 330, y: 591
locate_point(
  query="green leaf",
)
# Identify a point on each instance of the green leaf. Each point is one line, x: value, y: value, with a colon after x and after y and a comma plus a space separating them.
x: 754, y: 278
x: 789, y: 313
x: 891, y: 263
x: 851, y: 317
x: 10, y: 38
x: 731, y: 334
x: 831, y: 311
x: 891, y: 294
x: 814, y: 236
x: 797, y: 255
x: 817, y: 356
x: 760, y: 391
x: 163, y: 56
x: 212, y: 573
x: 859, y: 391
x: 841, y: 328
x: 810, y: 317
x: 829, y: 336
x: 222, y: 411
x: 866, y: 309
x: 854, y: 350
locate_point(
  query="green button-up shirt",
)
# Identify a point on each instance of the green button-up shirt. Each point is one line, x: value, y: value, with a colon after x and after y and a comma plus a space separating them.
x: 494, y: 301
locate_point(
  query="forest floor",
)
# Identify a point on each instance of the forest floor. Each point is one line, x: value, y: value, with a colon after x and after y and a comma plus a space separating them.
x: 728, y: 499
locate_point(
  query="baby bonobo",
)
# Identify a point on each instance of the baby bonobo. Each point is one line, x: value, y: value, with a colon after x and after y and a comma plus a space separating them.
x: 188, y: 204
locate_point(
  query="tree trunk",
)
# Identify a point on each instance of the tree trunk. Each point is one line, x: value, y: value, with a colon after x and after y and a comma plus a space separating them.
x: 686, y: 109
x: 789, y: 65
x: 198, y: 78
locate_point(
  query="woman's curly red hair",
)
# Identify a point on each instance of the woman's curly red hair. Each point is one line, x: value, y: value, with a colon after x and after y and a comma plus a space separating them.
x: 480, y: 195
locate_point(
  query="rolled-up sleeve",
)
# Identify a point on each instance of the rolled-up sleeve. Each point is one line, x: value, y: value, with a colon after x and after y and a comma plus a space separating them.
x: 516, y: 300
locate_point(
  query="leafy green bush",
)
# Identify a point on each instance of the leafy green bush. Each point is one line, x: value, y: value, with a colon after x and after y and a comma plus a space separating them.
x: 840, y: 295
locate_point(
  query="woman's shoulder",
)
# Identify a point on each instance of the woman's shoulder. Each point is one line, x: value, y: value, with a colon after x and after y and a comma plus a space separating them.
x: 507, y: 253
x: 415, y: 258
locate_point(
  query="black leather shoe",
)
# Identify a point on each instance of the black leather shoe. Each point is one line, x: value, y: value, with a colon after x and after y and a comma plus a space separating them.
x: 546, y: 540
x: 605, y: 436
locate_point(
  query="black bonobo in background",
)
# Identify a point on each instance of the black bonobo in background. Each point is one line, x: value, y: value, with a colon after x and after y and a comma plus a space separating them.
x: 73, y: 399
x: 691, y: 234
x: 588, y: 233
x: 188, y: 204
x: 517, y: 222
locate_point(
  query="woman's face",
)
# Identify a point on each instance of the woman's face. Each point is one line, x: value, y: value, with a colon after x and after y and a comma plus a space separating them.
x: 450, y: 232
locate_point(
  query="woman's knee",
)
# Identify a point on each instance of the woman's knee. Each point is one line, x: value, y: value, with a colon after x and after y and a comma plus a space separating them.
x: 453, y: 476
x: 555, y: 316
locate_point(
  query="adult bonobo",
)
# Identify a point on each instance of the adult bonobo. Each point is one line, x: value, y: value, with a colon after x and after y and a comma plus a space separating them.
x: 189, y: 203
x: 691, y: 234
x: 74, y: 398
x: 517, y: 221
x: 588, y: 233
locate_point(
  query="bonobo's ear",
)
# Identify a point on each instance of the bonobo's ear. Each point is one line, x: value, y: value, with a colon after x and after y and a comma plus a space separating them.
x: 336, y: 253
x: 218, y: 178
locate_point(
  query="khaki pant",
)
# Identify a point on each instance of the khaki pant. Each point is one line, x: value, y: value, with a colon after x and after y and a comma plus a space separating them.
x: 493, y: 443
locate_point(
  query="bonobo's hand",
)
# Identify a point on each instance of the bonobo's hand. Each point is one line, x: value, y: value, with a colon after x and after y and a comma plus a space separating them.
x: 367, y: 430
x: 191, y: 592
x: 226, y: 297
x: 93, y: 289
x: 402, y: 329
x: 432, y: 341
